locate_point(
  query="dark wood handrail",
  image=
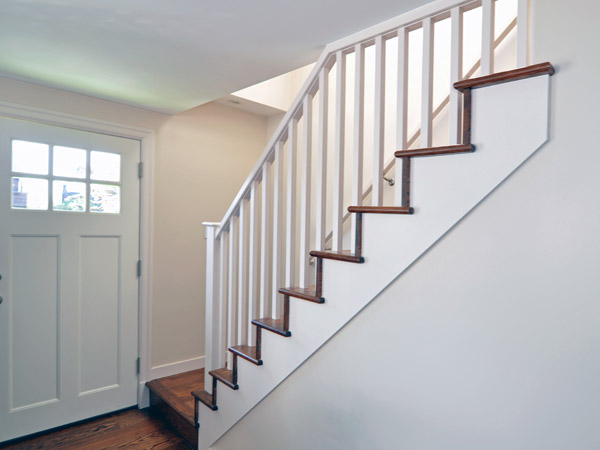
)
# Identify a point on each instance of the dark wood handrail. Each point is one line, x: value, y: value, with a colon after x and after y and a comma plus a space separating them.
x: 503, y: 77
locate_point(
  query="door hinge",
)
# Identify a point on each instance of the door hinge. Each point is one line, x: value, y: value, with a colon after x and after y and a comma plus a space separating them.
x: 137, y: 365
x: 139, y: 268
x: 140, y: 169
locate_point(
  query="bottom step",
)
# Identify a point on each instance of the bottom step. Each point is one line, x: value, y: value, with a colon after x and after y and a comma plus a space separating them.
x: 171, y: 401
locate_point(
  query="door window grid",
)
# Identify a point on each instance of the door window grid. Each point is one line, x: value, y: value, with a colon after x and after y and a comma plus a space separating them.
x: 105, y: 183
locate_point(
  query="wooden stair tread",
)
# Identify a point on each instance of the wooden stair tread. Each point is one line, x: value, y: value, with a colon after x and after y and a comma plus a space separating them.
x: 225, y: 376
x: 247, y: 352
x: 274, y: 325
x: 309, y: 293
x: 344, y: 255
x: 175, y: 392
x: 205, y: 398
x: 435, y: 151
x: 503, y: 77
x: 381, y: 209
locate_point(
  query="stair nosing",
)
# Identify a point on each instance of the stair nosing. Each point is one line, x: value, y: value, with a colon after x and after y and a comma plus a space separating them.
x: 293, y: 293
x: 337, y: 256
x: 279, y: 331
x: 236, y: 350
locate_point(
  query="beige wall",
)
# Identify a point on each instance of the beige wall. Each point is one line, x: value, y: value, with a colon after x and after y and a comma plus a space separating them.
x: 202, y: 157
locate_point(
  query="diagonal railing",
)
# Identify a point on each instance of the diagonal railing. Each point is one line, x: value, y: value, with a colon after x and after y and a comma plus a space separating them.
x: 282, y: 210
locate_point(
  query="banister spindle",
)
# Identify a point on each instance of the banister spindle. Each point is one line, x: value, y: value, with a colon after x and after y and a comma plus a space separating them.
x: 277, y: 240
x: 523, y: 33
x: 456, y: 62
x: 232, y: 289
x: 487, y: 37
x: 359, y: 113
x: 242, y: 274
x: 427, y: 83
x: 252, y: 262
x: 223, y: 267
x: 212, y: 307
x: 290, y: 237
x: 338, y: 171
x: 304, y: 272
x: 379, y: 125
x: 321, y: 199
x: 402, y: 165
x: 265, y: 241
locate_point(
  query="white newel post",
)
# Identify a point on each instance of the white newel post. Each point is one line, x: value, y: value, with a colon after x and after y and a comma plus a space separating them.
x: 212, y: 323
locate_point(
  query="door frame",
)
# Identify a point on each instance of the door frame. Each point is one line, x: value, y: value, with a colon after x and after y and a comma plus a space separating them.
x: 147, y: 143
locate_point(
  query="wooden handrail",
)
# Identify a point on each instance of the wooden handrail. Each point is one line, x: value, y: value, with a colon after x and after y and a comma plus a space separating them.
x: 388, y: 29
x: 417, y: 133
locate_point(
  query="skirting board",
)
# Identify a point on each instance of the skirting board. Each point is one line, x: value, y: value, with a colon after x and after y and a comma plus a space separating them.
x: 167, y: 370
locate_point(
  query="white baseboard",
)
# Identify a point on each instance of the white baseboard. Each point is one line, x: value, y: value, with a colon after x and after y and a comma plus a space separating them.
x: 166, y: 370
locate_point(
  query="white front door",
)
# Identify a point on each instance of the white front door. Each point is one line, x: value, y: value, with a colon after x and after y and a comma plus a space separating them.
x: 69, y: 221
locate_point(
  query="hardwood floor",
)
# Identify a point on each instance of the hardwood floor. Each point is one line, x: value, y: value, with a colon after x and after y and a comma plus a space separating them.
x: 131, y: 429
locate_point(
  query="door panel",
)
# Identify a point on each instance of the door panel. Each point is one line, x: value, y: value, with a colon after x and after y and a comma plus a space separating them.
x: 69, y: 221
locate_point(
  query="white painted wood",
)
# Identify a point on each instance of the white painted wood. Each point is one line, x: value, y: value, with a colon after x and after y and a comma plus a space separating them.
x: 366, y: 35
x: 456, y: 63
x: 401, y: 108
x: 265, y: 241
x: 146, y: 139
x: 305, y: 186
x: 487, y: 37
x: 223, y: 298
x: 232, y: 289
x: 379, y: 124
x: 523, y: 11
x: 277, y: 241
x: 211, y: 322
x: 510, y: 122
x: 338, y: 162
x: 166, y: 370
x: 253, y: 282
x: 290, y: 213
x: 321, y: 199
x: 69, y: 317
x: 359, y: 114
x: 427, y: 84
x: 242, y: 294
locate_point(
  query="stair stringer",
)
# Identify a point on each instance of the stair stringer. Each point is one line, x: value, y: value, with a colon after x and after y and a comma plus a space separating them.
x: 509, y: 123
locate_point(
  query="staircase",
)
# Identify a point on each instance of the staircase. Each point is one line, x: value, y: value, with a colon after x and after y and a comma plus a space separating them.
x: 272, y: 245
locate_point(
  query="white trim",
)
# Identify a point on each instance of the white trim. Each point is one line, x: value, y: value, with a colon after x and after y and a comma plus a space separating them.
x: 166, y: 370
x: 146, y: 138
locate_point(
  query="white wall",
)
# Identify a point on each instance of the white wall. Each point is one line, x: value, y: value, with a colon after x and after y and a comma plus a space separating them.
x: 202, y: 157
x: 490, y: 340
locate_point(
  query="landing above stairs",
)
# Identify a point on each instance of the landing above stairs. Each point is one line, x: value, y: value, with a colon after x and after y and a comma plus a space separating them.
x: 172, y: 401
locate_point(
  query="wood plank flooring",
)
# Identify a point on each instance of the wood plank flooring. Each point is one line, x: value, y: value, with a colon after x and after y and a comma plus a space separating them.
x: 131, y: 429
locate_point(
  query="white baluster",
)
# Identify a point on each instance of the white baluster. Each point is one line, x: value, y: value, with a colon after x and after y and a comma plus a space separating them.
x: 379, y: 125
x: 211, y: 326
x: 487, y: 37
x: 456, y: 62
x: 304, y: 273
x: 265, y: 241
x: 338, y: 171
x: 223, y: 267
x: 243, y: 274
x: 427, y: 83
x: 277, y: 241
x: 290, y: 237
x: 321, y: 200
x: 252, y: 262
x: 401, y: 115
x: 523, y: 33
x: 359, y: 114
x: 232, y: 289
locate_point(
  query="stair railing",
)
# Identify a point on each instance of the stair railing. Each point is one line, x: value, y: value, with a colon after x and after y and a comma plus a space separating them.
x: 263, y: 241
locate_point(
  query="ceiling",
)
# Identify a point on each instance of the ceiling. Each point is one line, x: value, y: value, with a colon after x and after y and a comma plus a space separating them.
x: 170, y: 56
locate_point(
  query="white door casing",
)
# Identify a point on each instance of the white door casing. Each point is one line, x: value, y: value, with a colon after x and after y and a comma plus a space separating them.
x: 69, y: 319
